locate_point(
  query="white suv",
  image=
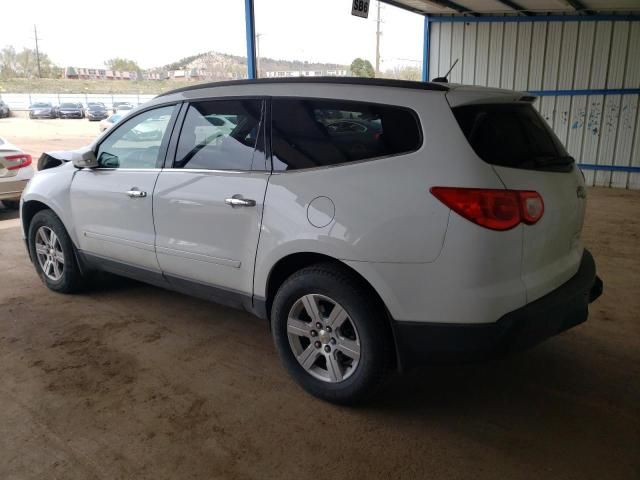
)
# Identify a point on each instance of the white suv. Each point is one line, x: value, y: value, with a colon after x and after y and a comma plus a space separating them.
x: 374, y: 223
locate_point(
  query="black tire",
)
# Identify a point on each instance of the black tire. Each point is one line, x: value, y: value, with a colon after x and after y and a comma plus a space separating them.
x: 11, y: 204
x: 363, y: 311
x: 71, y: 280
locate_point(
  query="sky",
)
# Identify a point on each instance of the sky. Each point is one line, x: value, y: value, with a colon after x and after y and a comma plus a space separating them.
x: 84, y: 33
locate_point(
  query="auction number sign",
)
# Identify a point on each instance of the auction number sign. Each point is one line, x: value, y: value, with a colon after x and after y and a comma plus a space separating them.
x: 360, y: 8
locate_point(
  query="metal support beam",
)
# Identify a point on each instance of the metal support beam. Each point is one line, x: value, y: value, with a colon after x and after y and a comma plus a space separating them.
x: 425, y: 49
x: 578, y: 6
x: 454, y: 6
x: 250, y: 27
x: 516, y: 7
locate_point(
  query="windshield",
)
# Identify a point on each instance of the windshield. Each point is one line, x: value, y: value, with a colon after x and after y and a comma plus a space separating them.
x: 69, y: 105
x: 41, y: 105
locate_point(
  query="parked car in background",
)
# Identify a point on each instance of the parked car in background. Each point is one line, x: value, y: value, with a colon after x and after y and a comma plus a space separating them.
x: 70, y: 110
x: 96, y: 111
x: 122, y: 107
x: 107, y: 123
x: 454, y: 233
x: 90, y: 104
x: 15, y: 171
x: 4, y: 109
x: 42, y: 110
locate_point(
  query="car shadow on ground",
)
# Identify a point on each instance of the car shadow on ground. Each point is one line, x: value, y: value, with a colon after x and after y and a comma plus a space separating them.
x: 8, y: 213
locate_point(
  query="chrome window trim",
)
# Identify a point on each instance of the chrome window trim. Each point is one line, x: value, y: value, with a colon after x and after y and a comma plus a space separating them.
x: 107, y: 169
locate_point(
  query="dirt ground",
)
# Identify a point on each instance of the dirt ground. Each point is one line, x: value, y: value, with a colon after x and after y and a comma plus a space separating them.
x: 38, y: 135
x: 133, y: 382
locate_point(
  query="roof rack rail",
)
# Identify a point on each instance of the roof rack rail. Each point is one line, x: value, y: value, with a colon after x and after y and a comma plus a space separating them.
x: 380, y: 82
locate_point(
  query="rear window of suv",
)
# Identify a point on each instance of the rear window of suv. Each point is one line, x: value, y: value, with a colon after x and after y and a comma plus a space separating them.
x: 512, y: 135
x: 309, y: 133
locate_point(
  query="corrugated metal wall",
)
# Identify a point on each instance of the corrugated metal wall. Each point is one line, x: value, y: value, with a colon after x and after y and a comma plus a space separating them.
x: 573, y: 55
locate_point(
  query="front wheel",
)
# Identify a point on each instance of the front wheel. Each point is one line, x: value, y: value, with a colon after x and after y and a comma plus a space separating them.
x: 52, y: 253
x: 330, y: 334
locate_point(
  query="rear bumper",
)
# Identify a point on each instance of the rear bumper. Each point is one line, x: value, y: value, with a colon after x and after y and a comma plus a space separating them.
x: 559, y: 310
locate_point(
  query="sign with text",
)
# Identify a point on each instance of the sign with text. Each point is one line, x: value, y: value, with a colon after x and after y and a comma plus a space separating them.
x: 360, y: 8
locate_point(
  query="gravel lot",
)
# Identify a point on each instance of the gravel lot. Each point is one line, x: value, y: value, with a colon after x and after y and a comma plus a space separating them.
x: 38, y: 135
x: 131, y: 381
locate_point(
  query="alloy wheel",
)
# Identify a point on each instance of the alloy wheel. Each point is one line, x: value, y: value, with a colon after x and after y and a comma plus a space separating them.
x: 49, y: 253
x: 323, y: 338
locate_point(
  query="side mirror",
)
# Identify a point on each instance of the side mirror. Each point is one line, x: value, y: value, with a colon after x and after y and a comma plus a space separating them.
x: 84, y: 159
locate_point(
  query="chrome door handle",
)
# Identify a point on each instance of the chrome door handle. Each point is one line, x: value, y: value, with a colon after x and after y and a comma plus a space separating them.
x: 238, y: 201
x: 136, y: 193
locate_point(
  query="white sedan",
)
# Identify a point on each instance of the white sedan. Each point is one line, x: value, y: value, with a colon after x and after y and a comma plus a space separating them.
x: 15, y: 171
x: 107, y: 123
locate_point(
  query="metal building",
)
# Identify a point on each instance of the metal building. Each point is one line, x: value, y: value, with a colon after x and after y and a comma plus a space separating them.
x: 581, y: 58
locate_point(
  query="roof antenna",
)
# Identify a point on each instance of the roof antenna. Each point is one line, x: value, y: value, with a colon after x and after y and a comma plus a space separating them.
x: 444, y: 79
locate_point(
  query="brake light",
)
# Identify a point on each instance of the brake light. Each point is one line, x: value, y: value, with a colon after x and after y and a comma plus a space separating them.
x: 22, y: 159
x: 492, y: 208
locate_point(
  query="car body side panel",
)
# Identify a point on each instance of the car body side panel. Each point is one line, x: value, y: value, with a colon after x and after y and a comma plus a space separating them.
x: 111, y: 223
x: 386, y: 218
x: 51, y: 187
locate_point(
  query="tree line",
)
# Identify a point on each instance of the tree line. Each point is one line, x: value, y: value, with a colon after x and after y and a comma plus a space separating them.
x: 24, y: 64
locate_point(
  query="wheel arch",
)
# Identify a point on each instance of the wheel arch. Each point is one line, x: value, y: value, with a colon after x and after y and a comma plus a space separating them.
x: 28, y: 211
x: 288, y: 265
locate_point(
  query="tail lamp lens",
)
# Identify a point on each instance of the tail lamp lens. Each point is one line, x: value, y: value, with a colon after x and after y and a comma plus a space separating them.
x: 532, y: 207
x: 492, y: 208
x: 18, y: 161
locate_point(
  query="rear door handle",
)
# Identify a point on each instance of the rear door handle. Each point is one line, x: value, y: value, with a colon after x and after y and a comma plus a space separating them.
x: 238, y: 201
x: 134, y: 193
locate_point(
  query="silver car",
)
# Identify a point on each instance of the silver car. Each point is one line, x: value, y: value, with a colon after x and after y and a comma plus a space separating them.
x: 15, y: 171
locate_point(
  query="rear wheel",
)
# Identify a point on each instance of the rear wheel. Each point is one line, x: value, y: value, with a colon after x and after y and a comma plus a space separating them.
x: 11, y: 204
x: 53, y: 253
x: 330, y: 335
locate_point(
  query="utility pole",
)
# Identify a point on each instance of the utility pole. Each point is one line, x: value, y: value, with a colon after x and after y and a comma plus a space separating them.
x: 258, y: 35
x: 378, y: 33
x: 35, y: 33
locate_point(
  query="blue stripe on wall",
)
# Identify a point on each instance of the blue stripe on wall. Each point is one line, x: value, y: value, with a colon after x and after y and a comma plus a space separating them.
x: 609, y: 168
x: 596, y: 91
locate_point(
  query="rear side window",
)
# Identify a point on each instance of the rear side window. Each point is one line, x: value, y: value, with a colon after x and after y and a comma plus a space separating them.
x: 309, y: 133
x: 210, y: 140
x: 512, y: 135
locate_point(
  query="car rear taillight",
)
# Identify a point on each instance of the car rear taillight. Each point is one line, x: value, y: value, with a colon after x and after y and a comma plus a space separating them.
x: 532, y: 206
x: 18, y: 161
x: 492, y: 208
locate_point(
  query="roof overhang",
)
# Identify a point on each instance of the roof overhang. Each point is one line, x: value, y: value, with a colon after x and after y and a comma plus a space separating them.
x: 474, y: 8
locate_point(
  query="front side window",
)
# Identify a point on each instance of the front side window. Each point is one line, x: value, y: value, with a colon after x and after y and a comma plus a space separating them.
x: 136, y: 143
x: 310, y: 133
x: 222, y: 135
